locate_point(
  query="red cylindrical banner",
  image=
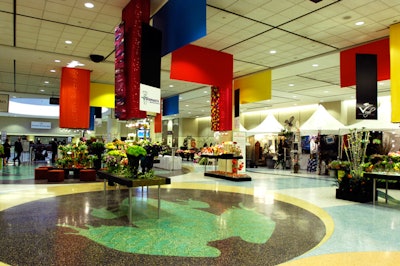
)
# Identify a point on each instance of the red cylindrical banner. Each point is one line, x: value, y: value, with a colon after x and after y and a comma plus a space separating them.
x: 136, y: 12
x: 75, y: 98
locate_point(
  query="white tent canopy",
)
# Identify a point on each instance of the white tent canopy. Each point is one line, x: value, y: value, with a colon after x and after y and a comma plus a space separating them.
x: 321, y: 121
x: 269, y: 125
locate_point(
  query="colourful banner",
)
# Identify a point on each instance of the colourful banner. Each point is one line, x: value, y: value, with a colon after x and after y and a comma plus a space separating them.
x: 102, y: 95
x: 74, y: 98
x: 366, y: 86
x: 254, y: 88
x: 181, y: 22
x: 394, y: 69
x: 202, y: 65
x: 120, y: 81
x: 348, y: 61
x: 134, y: 14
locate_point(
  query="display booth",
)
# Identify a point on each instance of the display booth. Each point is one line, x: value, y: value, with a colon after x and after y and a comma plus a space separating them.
x: 264, y: 140
x: 320, y: 141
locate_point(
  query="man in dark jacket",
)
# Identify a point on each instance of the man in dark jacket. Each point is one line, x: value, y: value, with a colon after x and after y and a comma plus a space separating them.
x: 17, y: 151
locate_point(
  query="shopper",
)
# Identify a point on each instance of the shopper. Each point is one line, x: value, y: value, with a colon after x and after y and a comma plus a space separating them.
x: 7, y: 150
x: 17, y: 151
x: 54, y: 150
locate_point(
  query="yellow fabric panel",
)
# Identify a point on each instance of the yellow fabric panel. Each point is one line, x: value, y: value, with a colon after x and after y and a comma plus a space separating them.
x: 102, y: 95
x: 394, y: 70
x: 255, y: 87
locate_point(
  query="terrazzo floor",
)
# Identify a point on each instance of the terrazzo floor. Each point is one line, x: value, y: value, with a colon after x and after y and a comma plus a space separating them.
x: 278, y: 218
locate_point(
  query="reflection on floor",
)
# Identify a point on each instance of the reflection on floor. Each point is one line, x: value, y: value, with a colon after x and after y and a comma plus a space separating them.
x: 277, y: 218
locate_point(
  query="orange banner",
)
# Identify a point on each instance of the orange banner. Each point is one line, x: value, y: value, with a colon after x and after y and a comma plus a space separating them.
x: 74, y: 98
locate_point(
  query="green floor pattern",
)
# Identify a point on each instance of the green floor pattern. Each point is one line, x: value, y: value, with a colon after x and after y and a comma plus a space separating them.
x: 183, y: 229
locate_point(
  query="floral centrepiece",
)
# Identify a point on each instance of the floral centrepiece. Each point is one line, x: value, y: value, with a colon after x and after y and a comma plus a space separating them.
x: 124, y: 158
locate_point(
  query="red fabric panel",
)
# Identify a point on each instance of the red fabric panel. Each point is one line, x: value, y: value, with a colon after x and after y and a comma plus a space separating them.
x: 348, y: 61
x: 136, y: 12
x: 202, y: 65
x: 158, y: 123
x: 74, y: 98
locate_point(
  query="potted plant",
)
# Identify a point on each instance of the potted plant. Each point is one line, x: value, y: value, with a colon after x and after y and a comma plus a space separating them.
x: 352, y: 185
x: 134, y: 154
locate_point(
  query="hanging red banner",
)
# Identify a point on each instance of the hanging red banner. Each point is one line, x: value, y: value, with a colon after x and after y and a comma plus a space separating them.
x: 134, y: 13
x: 75, y: 98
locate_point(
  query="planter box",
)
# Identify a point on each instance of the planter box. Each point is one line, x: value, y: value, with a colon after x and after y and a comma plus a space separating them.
x: 362, y: 197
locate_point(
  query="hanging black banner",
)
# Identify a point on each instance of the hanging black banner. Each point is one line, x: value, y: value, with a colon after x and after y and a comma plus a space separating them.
x: 366, y: 86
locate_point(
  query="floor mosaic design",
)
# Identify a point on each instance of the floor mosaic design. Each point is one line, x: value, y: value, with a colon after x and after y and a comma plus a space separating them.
x: 196, y: 227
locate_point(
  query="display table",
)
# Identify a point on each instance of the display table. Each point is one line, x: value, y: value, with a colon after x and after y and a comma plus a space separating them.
x: 225, y: 171
x: 381, y: 175
x: 169, y: 162
x: 131, y: 184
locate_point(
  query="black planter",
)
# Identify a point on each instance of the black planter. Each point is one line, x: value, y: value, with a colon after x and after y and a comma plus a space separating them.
x: 356, y: 196
x: 134, y: 164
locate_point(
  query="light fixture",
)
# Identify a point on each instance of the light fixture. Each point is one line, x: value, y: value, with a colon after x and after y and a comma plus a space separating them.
x: 52, y: 70
x: 68, y: 42
x: 57, y: 60
x: 89, y: 5
x: 315, y: 65
x: 291, y: 85
x: 272, y: 52
x: 359, y: 23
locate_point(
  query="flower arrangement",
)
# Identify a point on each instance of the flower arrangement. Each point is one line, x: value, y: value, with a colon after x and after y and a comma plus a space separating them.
x: 236, y: 166
x: 123, y: 158
x: 351, y: 183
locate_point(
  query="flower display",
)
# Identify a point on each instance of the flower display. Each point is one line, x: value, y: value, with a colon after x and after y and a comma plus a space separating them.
x: 124, y: 157
x: 215, y: 115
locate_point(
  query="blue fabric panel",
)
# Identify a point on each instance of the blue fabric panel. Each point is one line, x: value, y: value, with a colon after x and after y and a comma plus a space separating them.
x: 91, y: 118
x: 181, y: 22
x: 171, y: 105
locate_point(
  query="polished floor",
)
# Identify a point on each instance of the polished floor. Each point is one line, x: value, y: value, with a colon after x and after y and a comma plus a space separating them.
x: 278, y: 218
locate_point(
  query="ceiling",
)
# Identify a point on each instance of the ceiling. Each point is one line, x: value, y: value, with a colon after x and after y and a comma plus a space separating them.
x: 301, y: 32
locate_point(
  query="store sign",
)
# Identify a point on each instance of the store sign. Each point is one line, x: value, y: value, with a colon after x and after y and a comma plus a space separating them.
x: 4, y: 100
x: 149, y: 99
x: 40, y: 125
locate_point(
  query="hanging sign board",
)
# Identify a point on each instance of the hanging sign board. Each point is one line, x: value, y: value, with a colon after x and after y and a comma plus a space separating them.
x: 149, y: 99
x: 40, y: 125
x: 4, y: 100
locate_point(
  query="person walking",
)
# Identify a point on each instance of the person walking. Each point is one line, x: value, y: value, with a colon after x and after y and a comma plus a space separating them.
x: 54, y: 150
x: 17, y: 150
x: 7, y: 151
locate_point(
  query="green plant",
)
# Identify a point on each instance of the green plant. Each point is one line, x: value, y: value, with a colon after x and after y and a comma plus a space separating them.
x: 136, y: 150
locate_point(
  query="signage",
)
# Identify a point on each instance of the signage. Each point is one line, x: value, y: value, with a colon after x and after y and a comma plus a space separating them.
x: 54, y: 100
x: 4, y: 100
x: 40, y: 125
x: 150, y: 99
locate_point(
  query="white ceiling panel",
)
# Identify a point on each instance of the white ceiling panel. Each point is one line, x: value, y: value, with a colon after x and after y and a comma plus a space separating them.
x: 301, y: 32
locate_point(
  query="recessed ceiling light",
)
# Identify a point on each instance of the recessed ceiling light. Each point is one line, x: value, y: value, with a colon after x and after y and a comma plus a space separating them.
x: 42, y: 90
x: 315, y: 65
x: 171, y: 86
x: 187, y: 105
x: 205, y: 91
x: 294, y: 96
x: 291, y: 85
x: 52, y: 70
x: 89, y: 5
x: 57, y: 61
x: 359, y: 23
x: 326, y: 91
x: 46, y: 82
x: 272, y: 52
x: 68, y: 42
